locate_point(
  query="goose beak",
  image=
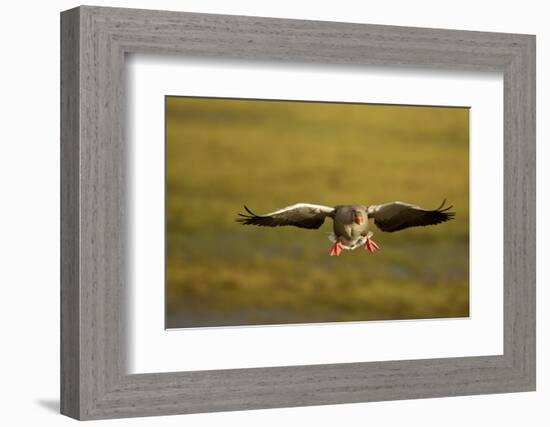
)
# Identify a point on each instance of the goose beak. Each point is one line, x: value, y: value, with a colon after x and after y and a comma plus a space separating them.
x: 359, y: 219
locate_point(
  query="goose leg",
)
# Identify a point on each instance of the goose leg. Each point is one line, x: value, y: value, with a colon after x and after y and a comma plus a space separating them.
x: 371, y: 246
x: 336, y: 250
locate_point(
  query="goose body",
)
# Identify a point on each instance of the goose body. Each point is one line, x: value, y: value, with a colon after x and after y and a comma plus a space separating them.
x: 350, y: 222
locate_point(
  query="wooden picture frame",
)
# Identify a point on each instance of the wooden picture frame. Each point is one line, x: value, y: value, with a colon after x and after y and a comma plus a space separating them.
x: 94, y: 382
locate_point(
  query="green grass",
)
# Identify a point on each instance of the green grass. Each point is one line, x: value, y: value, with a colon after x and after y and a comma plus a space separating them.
x: 222, y: 154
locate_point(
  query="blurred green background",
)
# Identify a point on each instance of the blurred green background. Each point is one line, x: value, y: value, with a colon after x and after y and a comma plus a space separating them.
x: 224, y: 153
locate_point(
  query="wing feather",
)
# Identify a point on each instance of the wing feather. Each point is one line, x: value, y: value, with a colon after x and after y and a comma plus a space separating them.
x: 397, y: 216
x: 303, y: 215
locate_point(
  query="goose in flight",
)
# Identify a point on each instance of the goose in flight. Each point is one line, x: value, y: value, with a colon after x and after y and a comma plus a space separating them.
x: 351, y: 222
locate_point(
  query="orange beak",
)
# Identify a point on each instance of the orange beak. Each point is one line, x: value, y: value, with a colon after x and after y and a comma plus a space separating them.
x: 359, y: 219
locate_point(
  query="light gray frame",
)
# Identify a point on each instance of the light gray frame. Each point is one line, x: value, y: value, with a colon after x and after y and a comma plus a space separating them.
x: 94, y: 41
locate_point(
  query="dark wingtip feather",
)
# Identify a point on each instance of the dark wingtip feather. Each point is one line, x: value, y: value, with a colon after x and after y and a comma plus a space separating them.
x: 249, y: 219
x: 442, y: 209
x: 443, y: 213
x: 249, y: 211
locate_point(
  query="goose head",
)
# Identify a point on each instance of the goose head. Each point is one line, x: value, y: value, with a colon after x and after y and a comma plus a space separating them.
x: 359, y: 214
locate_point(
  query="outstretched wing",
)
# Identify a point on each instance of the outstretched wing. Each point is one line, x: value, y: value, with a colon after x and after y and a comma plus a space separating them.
x: 397, y: 216
x: 301, y: 215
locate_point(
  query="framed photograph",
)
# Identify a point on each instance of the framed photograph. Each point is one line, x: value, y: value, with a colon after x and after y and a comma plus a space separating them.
x: 261, y: 213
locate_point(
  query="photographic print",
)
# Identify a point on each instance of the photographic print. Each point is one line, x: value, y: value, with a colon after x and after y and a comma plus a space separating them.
x: 289, y: 212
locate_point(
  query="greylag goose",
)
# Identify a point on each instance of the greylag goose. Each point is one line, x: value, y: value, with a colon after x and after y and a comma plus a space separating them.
x: 351, y: 222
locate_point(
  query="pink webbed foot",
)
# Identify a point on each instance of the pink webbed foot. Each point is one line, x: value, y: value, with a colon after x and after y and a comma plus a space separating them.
x: 336, y: 250
x: 371, y: 246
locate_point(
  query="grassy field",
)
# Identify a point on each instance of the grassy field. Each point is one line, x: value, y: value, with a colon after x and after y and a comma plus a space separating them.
x: 222, y: 154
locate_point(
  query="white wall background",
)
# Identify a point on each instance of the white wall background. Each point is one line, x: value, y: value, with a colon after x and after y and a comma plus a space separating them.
x: 29, y: 213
